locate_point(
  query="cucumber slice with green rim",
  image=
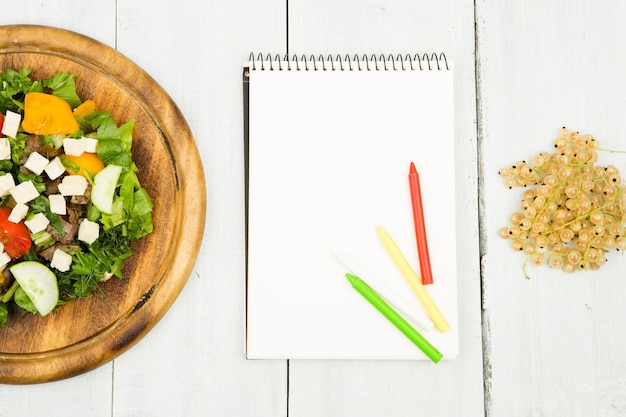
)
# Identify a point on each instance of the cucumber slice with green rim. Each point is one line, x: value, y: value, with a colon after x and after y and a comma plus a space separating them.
x: 103, y: 190
x: 39, y: 283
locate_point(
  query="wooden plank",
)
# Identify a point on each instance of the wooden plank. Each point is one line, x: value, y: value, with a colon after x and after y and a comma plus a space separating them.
x: 193, y: 361
x: 96, y: 21
x: 356, y: 388
x: 88, y: 394
x: 555, y: 342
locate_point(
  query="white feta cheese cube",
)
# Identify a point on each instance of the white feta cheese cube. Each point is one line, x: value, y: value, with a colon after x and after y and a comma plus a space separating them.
x: 18, y: 213
x: 11, y: 124
x: 55, y: 168
x: 91, y: 145
x: 4, y: 259
x: 5, y: 149
x: 73, y: 185
x: 58, y: 204
x: 6, y: 183
x: 36, y: 162
x: 61, y: 260
x: 74, y: 147
x: 24, y: 192
x: 1, y: 247
x: 37, y: 223
x: 88, y: 231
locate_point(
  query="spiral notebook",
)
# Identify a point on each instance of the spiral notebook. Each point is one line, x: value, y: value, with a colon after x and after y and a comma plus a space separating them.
x: 328, y: 143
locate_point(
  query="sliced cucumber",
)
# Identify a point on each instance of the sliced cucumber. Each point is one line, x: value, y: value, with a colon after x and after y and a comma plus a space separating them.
x: 103, y: 190
x: 39, y: 283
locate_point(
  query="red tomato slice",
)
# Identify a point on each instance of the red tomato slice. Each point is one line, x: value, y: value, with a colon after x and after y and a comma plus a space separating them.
x: 14, y: 236
x: 1, y: 123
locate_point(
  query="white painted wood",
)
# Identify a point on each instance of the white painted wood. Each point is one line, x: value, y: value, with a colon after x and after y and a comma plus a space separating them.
x: 556, y: 343
x: 94, y: 20
x: 373, y: 26
x: 84, y: 395
x: 357, y: 388
x: 193, y: 362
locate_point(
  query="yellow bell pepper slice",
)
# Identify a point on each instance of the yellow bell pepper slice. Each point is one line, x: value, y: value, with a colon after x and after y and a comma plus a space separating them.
x: 89, y: 106
x: 46, y: 114
x: 87, y: 162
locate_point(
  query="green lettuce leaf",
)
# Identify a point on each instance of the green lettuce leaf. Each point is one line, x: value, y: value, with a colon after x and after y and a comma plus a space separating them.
x: 14, y: 85
x: 62, y: 85
x: 4, y: 314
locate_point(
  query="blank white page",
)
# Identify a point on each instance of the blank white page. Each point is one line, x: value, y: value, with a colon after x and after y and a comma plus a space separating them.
x: 329, y: 158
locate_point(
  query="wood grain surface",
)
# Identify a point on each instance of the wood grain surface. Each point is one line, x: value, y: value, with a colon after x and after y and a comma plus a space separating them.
x: 86, y: 333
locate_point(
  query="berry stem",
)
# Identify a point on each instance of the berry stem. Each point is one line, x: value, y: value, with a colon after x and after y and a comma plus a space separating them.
x: 610, y: 150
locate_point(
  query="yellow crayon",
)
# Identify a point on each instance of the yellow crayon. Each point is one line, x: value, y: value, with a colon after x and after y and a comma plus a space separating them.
x: 414, y: 281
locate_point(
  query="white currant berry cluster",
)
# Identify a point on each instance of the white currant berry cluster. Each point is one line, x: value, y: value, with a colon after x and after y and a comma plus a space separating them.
x: 572, y: 212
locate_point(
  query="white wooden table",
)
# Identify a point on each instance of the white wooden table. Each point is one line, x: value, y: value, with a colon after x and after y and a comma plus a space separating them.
x: 549, y: 346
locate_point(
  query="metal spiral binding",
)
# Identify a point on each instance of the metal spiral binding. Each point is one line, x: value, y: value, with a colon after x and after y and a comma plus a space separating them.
x: 431, y: 62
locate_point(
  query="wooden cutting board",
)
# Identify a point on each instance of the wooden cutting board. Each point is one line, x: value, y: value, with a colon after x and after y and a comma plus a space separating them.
x: 87, y: 333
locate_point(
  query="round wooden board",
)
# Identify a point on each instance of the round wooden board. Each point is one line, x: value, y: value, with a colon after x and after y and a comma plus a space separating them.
x: 87, y: 333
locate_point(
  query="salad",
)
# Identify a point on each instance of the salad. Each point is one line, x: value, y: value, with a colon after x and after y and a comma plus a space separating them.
x: 70, y: 200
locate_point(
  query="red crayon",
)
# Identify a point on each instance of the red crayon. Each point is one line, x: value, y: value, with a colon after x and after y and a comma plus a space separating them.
x: 420, y: 227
